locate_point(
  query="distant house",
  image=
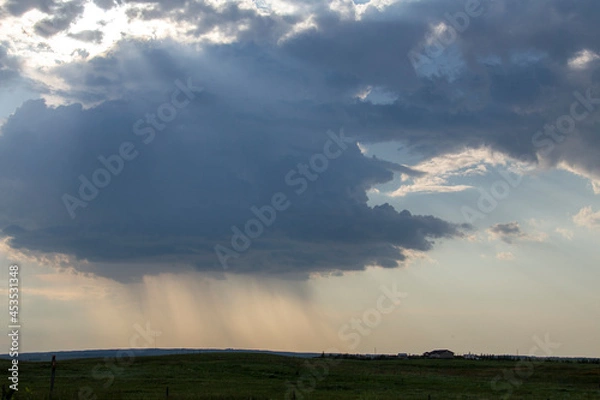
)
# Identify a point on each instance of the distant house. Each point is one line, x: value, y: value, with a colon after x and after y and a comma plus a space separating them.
x: 402, y: 355
x: 439, y: 354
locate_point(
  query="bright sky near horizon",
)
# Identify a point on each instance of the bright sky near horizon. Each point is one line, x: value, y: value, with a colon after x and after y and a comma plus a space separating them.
x: 302, y: 175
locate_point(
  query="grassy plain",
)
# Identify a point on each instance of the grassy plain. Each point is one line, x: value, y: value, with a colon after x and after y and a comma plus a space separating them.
x: 264, y: 376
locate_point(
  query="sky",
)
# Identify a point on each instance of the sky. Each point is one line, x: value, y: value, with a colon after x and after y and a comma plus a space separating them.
x: 372, y: 176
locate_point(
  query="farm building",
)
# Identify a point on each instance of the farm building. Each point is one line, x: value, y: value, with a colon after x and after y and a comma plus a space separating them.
x: 470, y: 357
x: 439, y: 354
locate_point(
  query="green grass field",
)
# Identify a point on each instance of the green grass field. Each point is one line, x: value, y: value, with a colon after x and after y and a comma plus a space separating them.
x: 264, y: 376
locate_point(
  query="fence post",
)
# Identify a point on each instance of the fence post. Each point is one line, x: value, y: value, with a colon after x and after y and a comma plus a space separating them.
x: 52, y: 376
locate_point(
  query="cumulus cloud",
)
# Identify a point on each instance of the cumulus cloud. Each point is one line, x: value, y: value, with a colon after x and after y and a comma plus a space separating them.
x: 566, y: 233
x: 592, y: 175
x: 582, y: 59
x: 588, y: 218
x: 437, y: 172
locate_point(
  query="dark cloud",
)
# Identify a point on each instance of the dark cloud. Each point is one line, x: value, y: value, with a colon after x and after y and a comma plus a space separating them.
x: 507, y: 232
x: 513, y: 77
x: 88, y: 36
x: 81, y: 53
x: 230, y: 149
x: 403, y: 169
x: 246, y: 25
x: 106, y: 4
x: 20, y: 7
x: 62, y: 16
x: 9, y: 65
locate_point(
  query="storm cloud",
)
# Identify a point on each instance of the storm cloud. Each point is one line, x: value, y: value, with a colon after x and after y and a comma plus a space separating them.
x: 197, y: 175
x: 268, y: 100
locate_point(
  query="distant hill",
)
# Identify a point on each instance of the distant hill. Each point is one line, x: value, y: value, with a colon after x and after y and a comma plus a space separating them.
x: 74, y: 354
